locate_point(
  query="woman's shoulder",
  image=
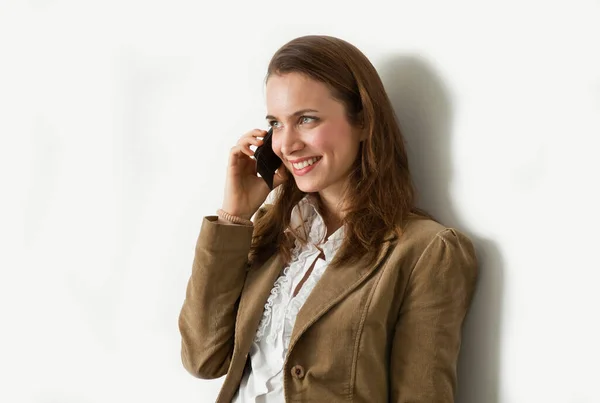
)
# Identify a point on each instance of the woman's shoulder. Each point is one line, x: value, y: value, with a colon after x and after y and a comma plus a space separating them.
x: 436, y: 254
x: 421, y: 233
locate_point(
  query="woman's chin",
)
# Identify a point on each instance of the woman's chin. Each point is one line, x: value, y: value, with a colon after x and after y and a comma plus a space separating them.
x: 307, y: 186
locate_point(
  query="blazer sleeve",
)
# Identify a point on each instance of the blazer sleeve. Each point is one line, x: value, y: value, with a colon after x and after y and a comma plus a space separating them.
x: 207, y: 318
x: 427, y: 335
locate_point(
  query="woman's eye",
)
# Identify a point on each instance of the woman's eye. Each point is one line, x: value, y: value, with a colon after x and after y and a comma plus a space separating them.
x: 307, y: 119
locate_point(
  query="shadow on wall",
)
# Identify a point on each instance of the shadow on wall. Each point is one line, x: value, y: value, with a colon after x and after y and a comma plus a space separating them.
x: 423, y: 107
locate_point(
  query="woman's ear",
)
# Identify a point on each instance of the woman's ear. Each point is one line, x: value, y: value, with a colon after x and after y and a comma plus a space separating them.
x: 360, y: 125
x: 360, y: 119
x: 364, y: 133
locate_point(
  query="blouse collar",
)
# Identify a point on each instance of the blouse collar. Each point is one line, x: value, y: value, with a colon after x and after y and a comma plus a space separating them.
x: 308, y: 225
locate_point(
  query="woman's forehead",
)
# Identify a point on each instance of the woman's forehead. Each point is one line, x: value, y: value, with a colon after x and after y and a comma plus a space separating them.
x: 293, y: 92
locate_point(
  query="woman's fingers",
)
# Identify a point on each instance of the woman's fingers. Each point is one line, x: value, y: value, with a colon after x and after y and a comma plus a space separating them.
x: 247, y: 140
x: 251, y: 138
x: 238, y: 151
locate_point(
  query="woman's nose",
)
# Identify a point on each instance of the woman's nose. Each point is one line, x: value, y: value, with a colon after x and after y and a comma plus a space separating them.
x: 290, y: 141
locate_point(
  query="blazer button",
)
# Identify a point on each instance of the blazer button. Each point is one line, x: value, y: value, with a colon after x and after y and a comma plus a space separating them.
x: 298, y: 372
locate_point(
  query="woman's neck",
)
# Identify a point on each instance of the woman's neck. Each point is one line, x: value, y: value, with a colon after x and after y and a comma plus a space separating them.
x: 332, y: 226
x: 332, y: 212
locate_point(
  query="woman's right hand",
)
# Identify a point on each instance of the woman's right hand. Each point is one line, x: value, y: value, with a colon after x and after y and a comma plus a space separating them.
x: 245, y: 192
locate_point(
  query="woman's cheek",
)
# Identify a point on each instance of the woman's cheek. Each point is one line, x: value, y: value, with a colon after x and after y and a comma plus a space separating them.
x: 318, y: 143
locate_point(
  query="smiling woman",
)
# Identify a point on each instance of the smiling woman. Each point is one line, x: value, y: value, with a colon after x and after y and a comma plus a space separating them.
x: 313, y: 137
x: 341, y: 289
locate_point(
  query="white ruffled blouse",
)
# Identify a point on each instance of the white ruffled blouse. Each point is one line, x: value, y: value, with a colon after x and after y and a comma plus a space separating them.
x: 263, y: 379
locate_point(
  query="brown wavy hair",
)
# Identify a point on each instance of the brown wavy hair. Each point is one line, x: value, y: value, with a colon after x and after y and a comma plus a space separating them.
x: 380, y: 195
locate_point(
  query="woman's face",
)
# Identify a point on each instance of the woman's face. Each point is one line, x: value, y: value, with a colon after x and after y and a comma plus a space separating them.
x: 311, y: 133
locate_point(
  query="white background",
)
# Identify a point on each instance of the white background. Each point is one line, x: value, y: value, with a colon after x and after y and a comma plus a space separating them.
x: 116, y: 118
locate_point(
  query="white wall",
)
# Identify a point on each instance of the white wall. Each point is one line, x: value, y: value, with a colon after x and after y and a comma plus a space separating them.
x: 116, y: 118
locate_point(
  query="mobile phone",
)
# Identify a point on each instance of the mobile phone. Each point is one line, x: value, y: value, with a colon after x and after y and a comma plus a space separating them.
x: 267, y: 162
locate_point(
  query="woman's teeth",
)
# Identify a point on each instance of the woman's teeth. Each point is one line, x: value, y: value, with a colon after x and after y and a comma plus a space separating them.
x: 304, y: 164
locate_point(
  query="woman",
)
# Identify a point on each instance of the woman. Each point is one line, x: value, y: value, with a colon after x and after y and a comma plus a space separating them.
x: 341, y: 289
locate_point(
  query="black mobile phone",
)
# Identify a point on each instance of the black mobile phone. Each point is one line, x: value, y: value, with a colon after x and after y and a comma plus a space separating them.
x: 267, y: 162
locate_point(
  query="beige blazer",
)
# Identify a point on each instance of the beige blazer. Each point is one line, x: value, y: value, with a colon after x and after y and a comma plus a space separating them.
x: 387, y: 332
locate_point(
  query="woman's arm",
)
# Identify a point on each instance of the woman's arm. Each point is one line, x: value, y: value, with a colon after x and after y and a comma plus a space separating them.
x: 207, y: 318
x: 428, y: 331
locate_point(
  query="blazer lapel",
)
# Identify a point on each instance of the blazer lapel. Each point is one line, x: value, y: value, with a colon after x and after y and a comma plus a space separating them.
x: 258, y: 285
x: 332, y: 287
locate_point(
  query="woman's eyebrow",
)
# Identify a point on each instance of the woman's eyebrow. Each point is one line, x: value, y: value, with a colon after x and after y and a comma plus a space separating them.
x: 297, y: 113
